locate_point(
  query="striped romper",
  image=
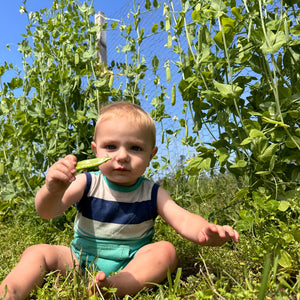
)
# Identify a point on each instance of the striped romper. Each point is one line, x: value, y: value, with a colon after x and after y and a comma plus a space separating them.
x: 113, y: 222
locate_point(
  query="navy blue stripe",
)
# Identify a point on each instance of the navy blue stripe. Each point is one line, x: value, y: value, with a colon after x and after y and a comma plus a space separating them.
x: 154, y: 199
x: 78, y: 205
x: 88, y: 184
x: 118, y: 212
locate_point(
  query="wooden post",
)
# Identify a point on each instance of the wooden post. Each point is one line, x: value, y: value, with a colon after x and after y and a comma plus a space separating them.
x: 100, y: 18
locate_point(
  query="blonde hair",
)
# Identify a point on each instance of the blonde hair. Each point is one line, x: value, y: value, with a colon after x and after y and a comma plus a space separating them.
x: 132, y: 112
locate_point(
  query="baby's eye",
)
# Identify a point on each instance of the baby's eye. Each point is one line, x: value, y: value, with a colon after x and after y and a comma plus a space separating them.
x: 110, y: 147
x: 136, y: 148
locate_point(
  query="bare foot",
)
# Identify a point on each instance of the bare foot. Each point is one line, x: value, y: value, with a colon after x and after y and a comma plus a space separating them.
x: 98, y: 283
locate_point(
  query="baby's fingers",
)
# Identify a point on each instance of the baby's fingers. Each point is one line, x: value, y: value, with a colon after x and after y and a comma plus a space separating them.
x: 62, y: 172
x: 228, y: 233
x: 69, y: 163
x: 217, y: 235
x: 232, y: 233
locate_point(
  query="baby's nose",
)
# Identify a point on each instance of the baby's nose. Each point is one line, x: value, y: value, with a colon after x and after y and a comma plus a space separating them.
x: 122, y: 155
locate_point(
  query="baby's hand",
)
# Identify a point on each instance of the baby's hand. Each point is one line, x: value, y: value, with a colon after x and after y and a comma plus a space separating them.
x: 61, y: 174
x: 216, y: 235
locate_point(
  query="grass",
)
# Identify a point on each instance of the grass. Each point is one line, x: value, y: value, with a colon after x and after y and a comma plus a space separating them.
x: 228, y: 272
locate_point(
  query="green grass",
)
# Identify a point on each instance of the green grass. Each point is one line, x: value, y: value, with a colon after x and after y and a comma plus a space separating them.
x: 233, y: 271
x: 202, y: 268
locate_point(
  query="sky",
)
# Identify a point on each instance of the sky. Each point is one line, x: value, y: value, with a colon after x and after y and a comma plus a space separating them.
x: 13, y: 23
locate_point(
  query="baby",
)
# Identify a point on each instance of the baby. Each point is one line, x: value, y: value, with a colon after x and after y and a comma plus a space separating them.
x: 116, y: 210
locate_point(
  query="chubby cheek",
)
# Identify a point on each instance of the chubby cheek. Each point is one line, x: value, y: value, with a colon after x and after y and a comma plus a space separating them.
x: 142, y: 165
x: 104, y: 168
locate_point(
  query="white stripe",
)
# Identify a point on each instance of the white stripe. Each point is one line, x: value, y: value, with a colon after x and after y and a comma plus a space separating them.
x: 92, y: 228
x: 99, y: 189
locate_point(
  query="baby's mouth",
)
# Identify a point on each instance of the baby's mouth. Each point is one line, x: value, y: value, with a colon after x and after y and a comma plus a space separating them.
x: 121, y: 169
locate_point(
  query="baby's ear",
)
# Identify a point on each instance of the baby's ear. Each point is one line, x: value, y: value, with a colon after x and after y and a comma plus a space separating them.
x: 94, y: 147
x: 154, y: 151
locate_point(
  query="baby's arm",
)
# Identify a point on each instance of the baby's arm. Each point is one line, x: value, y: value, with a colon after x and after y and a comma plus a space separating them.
x: 61, y: 189
x: 191, y: 226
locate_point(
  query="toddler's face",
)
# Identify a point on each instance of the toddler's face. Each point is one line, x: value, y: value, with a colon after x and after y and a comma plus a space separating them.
x: 129, y: 146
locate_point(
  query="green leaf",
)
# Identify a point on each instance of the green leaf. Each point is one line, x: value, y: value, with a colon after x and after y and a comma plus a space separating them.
x: 235, y: 11
x: 294, y: 114
x: 293, y: 142
x: 285, y: 259
x: 228, y: 90
x: 128, y: 29
x: 240, y: 195
x: 156, y: 165
x: 187, y: 89
x: 205, y: 164
x: 246, y: 141
x: 274, y: 42
x: 89, y: 54
x: 155, y: 63
x: 227, y: 22
x: 283, y: 205
x: 49, y: 111
x: 222, y: 154
x: 296, y: 234
x: 271, y: 206
x: 147, y: 4
x: 196, y: 15
x: 218, y: 6
x: 242, y: 225
x: 9, y: 129
x: 268, y: 153
x: 193, y: 167
x: 256, y: 133
x: 15, y: 83
x: 228, y: 32
x: 154, y: 28
x: 114, y: 25
x: 247, y: 216
x: 295, y: 30
x: 239, y: 164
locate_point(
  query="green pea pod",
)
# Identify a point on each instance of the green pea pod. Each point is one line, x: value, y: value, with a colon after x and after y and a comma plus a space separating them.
x: 168, y: 73
x: 169, y: 40
x: 111, y: 80
x: 173, y: 95
x: 90, y: 163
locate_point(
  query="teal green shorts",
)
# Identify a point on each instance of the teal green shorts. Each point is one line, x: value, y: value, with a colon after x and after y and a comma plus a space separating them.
x: 105, y: 255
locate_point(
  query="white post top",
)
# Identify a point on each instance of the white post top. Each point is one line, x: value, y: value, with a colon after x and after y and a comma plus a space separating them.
x: 100, y: 18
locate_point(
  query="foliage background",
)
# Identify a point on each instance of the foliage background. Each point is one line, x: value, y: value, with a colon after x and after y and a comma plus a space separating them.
x: 232, y: 69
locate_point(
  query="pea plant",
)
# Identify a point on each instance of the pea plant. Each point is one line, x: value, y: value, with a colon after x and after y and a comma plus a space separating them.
x: 230, y: 68
x: 239, y: 75
x: 48, y: 108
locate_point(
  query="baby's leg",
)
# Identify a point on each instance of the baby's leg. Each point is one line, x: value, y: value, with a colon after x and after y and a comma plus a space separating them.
x: 150, y: 265
x: 34, y: 263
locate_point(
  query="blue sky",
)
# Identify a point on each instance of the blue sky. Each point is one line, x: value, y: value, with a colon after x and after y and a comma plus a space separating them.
x: 13, y: 23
